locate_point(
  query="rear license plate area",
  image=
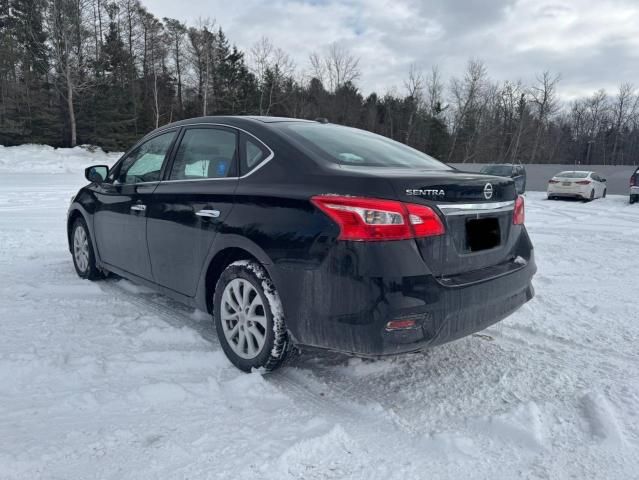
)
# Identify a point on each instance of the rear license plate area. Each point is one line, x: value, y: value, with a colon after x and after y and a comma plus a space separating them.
x: 566, y: 184
x: 482, y: 233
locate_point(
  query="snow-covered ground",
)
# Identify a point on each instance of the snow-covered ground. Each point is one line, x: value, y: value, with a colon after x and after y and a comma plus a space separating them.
x: 107, y: 380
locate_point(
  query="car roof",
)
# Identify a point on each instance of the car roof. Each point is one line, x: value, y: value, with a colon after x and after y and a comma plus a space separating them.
x: 234, y: 120
x: 237, y: 121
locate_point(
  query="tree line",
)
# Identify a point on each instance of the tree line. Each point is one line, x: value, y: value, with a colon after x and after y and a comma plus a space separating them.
x: 106, y: 72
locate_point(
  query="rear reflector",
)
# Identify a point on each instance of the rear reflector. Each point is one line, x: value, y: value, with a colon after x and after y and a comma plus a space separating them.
x: 370, y: 219
x: 400, y: 324
x: 583, y: 182
x: 519, y: 214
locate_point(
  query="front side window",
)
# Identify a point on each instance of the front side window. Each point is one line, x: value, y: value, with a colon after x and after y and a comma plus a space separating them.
x: 144, y: 164
x: 205, y: 153
x: 353, y: 147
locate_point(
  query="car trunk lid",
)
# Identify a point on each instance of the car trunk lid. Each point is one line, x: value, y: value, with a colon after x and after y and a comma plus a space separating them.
x: 477, y: 211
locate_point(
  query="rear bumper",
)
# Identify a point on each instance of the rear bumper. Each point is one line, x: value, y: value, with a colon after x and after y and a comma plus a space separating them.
x: 346, y: 306
x: 634, y: 190
x: 579, y: 192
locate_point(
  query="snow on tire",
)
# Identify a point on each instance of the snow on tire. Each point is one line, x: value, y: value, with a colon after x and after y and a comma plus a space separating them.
x: 249, y: 318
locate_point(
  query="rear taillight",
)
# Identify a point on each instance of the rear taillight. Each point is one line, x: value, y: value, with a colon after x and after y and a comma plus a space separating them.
x: 424, y: 221
x: 583, y: 182
x: 633, y: 180
x: 370, y: 219
x: 519, y: 214
x: 553, y: 181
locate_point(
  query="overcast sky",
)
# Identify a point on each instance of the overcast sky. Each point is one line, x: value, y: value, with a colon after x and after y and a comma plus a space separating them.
x: 592, y: 43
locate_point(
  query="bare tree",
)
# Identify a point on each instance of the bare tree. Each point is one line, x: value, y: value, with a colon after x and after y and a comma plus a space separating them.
x: 624, y: 109
x: 466, y: 94
x: 154, y: 55
x: 271, y: 66
x: 434, y: 92
x: 65, y: 25
x: 336, y: 68
x: 177, y: 31
x: 414, y: 85
x: 544, y: 97
x: 204, y: 52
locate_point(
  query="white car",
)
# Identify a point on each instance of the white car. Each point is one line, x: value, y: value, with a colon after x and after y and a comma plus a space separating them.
x: 577, y: 184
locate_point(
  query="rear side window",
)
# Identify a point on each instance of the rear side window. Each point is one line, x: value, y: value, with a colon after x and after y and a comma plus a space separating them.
x: 572, y: 174
x: 353, y: 147
x: 253, y: 153
x: 205, y: 153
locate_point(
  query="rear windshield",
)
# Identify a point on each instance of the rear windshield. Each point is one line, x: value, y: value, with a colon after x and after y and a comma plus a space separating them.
x: 499, y: 170
x: 572, y: 174
x: 354, y: 147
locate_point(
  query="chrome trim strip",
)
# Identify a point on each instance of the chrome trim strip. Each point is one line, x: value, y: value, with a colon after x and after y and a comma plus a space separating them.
x: 472, y: 208
x: 260, y: 165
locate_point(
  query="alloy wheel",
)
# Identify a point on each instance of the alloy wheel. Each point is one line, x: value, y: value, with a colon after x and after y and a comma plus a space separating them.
x: 243, y: 318
x: 81, y: 248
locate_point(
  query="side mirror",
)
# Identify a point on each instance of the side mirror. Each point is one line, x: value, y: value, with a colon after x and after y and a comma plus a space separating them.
x: 96, y: 173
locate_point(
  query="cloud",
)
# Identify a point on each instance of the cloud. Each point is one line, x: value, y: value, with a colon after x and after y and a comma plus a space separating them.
x: 592, y: 43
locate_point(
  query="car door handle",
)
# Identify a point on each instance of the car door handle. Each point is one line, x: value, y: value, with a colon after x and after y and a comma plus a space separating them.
x: 208, y: 213
x: 138, y: 208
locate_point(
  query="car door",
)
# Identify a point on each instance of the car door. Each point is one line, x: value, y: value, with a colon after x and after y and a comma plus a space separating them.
x: 191, y: 204
x: 597, y: 184
x: 122, y: 202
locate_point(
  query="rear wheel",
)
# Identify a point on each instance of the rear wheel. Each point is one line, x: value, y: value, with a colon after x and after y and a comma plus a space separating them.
x: 604, y: 193
x: 249, y: 318
x: 83, y: 255
x: 633, y: 199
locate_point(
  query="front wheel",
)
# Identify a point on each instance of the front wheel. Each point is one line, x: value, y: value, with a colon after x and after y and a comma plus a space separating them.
x: 249, y: 318
x: 604, y: 193
x: 83, y: 255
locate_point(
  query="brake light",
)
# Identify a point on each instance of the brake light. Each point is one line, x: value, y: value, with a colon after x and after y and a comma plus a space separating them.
x: 424, y: 220
x: 370, y: 219
x: 519, y: 214
x: 553, y: 181
x: 633, y: 180
x: 583, y: 182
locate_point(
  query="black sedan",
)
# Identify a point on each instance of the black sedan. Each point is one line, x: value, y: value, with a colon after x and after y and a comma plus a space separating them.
x: 294, y: 232
x: 515, y: 171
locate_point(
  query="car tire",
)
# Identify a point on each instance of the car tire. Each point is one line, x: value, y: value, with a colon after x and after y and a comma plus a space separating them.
x: 592, y: 196
x: 82, y: 251
x: 633, y: 199
x: 249, y: 318
x: 604, y: 193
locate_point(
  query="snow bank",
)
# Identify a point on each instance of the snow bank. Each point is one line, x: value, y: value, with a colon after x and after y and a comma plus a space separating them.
x: 45, y: 159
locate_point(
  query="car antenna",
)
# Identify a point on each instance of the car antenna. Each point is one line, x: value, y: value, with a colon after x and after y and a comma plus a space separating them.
x: 322, y: 120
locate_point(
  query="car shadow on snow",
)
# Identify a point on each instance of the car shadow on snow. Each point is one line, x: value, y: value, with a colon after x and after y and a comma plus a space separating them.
x: 472, y: 375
